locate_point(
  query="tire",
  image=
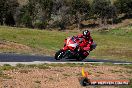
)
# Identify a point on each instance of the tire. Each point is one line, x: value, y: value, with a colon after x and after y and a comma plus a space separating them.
x: 84, y: 82
x: 80, y: 59
x: 59, y: 55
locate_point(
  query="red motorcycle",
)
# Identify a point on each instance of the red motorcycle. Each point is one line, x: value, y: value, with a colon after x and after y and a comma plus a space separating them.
x: 72, y: 49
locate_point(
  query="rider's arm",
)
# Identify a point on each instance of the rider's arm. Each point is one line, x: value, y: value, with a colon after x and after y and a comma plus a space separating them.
x: 90, y: 42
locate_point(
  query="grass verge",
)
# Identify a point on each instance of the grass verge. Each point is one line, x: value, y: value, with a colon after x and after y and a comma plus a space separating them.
x: 113, y: 44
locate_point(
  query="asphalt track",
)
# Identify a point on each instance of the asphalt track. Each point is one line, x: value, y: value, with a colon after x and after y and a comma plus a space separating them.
x: 14, y: 59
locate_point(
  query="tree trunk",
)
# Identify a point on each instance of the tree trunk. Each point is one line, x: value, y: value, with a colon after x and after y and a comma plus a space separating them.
x: 78, y: 20
x: 100, y: 22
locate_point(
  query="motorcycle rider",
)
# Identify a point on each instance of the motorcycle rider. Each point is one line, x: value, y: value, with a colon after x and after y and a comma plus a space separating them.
x: 87, y: 43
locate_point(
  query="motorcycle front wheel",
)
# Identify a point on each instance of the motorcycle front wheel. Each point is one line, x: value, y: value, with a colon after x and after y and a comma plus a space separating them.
x: 59, y: 55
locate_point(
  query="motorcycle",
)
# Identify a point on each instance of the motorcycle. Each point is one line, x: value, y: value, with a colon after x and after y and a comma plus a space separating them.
x: 72, y: 49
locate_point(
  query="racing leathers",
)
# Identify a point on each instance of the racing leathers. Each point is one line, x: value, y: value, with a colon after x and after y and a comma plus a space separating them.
x: 85, y: 44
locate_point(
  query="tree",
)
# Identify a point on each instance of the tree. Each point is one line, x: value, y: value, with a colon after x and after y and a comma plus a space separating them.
x: 80, y: 8
x: 68, y: 12
x: 7, y: 11
x: 44, y: 12
x: 26, y: 15
x: 36, y: 13
x: 104, y: 10
x: 124, y: 6
x: 60, y: 14
x: 2, y: 11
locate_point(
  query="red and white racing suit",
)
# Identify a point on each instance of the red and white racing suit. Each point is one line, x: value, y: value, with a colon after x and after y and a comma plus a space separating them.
x: 85, y: 44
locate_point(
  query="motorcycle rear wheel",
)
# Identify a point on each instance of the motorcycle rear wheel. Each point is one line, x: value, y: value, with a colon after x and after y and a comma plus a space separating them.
x: 81, y: 57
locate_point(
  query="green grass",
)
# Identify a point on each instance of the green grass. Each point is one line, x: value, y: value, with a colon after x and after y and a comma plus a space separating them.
x: 39, y: 41
x: 7, y: 67
x: 3, y: 68
x: 114, y: 44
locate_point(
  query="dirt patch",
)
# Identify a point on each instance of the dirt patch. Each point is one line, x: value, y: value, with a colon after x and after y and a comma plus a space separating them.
x: 6, y: 45
x: 60, y: 77
x: 10, y: 45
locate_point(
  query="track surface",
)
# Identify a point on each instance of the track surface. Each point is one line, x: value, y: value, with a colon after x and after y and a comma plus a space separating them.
x: 14, y: 59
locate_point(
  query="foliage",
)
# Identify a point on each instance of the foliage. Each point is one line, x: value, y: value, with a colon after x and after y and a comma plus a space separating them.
x: 79, y: 9
x: 35, y: 13
x: 60, y: 13
x: 124, y: 6
x: 7, y: 11
x: 104, y: 10
x: 7, y: 67
x: 40, y: 24
x: 81, y: 6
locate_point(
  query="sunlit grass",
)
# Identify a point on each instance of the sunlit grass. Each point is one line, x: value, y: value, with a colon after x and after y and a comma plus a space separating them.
x: 113, y: 44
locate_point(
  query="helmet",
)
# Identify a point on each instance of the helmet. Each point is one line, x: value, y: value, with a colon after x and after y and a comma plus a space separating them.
x: 86, y: 34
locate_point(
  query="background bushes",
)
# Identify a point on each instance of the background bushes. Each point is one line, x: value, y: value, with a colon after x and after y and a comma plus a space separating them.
x: 43, y: 14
